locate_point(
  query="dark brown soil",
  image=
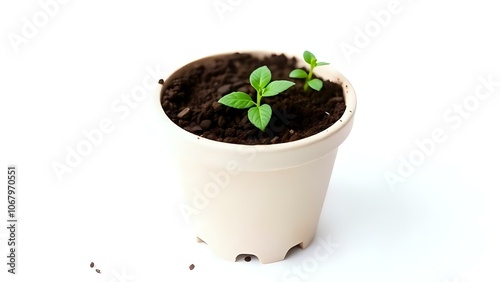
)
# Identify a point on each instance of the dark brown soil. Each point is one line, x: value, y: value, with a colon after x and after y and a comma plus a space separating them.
x: 190, y: 98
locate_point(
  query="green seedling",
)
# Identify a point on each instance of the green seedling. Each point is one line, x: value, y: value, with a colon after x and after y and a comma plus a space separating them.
x: 260, y: 79
x: 314, y: 83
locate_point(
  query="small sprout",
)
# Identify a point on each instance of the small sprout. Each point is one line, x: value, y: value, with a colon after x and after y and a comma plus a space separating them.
x: 260, y: 79
x: 314, y: 83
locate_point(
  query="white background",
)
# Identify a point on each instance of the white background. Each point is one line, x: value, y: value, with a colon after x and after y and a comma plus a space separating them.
x: 119, y: 206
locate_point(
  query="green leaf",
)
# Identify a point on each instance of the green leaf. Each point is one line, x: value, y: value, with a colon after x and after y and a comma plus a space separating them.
x: 260, y: 78
x: 309, y: 57
x: 276, y: 87
x: 260, y: 116
x: 322, y: 64
x: 238, y: 100
x: 316, y: 84
x: 298, y: 73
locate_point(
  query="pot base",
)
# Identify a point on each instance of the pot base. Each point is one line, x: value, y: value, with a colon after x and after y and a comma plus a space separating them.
x: 266, y: 253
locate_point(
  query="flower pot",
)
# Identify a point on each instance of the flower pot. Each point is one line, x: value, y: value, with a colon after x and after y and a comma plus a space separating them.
x: 257, y: 199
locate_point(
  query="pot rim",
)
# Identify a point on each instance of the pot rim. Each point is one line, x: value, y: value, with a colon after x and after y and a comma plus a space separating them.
x: 326, y: 72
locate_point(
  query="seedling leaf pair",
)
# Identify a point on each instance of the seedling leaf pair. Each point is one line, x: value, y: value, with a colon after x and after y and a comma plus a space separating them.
x: 260, y: 79
x: 314, y: 83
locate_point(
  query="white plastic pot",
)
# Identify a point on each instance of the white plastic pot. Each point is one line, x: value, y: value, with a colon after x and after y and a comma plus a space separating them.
x: 258, y: 199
